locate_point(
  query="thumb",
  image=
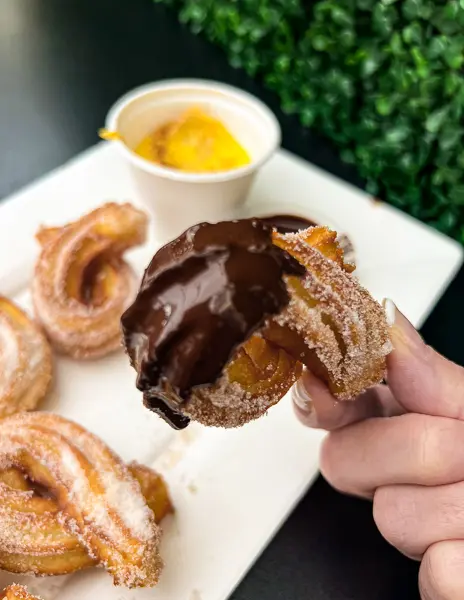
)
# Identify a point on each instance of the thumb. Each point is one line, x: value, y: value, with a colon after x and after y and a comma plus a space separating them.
x: 422, y: 380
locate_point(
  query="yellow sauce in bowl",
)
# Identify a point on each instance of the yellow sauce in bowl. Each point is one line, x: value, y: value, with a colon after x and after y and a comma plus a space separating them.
x: 195, y: 142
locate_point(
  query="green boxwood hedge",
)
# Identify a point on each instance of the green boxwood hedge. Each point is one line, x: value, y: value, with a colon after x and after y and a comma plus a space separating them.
x: 383, y: 79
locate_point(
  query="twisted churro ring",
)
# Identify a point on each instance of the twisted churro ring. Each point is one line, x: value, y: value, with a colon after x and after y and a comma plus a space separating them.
x: 81, y: 284
x: 344, y: 329
x: 25, y: 361
x: 100, y: 504
x: 17, y: 592
x: 331, y: 325
x: 32, y: 538
x: 328, y: 323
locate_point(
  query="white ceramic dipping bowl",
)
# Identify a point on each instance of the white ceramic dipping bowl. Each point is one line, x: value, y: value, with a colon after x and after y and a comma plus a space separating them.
x: 179, y: 199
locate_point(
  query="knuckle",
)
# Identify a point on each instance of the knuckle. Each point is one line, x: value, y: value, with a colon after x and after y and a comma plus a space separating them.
x: 437, y: 578
x: 330, y: 465
x: 385, y: 517
x: 327, y: 464
x: 395, y: 516
x: 433, y: 579
x: 429, y: 457
x: 460, y: 406
x: 451, y: 513
x: 428, y: 437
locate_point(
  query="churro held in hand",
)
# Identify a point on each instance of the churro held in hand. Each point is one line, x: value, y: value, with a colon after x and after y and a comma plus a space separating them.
x: 228, y: 315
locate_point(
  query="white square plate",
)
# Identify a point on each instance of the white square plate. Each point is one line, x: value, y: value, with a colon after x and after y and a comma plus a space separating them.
x: 231, y: 489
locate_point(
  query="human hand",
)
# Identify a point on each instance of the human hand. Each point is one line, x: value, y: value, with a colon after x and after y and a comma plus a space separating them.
x: 402, y: 445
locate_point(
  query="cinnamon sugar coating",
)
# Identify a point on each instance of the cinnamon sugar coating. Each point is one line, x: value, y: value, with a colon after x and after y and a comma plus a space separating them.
x: 331, y: 325
x: 344, y: 329
x: 82, y: 285
x: 96, y: 513
x: 17, y: 592
x: 328, y: 324
x: 233, y: 401
x: 25, y: 361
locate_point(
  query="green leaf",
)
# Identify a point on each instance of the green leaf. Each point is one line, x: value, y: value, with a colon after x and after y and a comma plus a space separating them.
x: 421, y: 63
x: 437, y: 46
x: 236, y: 62
x: 412, y: 34
x: 457, y: 194
x: 347, y: 38
x: 193, y: 13
x: 372, y: 188
x: 449, y: 137
x: 348, y: 156
x: 371, y: 62
x: 446, y: 221
x: 321, y: 43
x: 308, y: 116
x: 452, y: 82
x: 445, y: 18
x: 397, y: 134
x: 445, y: 175
x: 453, y: 54
x: 412, y: 9
x: 366, y: 4
x: 385, y: 105
x: 383, y: 18
x: 341, y: 17
x: 396, y: 43
x: 256, y: 34
x: 282, y: 64
x: 436, y: 119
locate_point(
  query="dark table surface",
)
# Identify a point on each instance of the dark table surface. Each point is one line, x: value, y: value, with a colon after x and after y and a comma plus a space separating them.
x: 62, y: 64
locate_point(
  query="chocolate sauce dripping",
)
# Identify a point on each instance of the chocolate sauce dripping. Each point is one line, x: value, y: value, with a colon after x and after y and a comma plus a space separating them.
x: 201, y: 297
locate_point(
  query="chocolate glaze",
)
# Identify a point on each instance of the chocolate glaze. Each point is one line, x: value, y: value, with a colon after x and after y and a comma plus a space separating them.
x: 288, y: 223
x: 202, y: 296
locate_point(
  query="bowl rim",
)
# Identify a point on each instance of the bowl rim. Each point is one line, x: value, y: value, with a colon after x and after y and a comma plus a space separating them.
x: 200, y: 84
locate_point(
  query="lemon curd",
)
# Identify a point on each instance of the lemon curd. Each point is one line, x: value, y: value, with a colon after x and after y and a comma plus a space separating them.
x: 195, y: 142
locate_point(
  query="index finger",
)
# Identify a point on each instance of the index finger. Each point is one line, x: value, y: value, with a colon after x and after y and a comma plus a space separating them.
x: 422, y: 380
x: 316, y: 407
x: 419, y: 380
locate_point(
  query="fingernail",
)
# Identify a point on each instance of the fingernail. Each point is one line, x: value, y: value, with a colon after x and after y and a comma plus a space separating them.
x: 303, y: 404
x: 390, y: 311
x: 403, y: 333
